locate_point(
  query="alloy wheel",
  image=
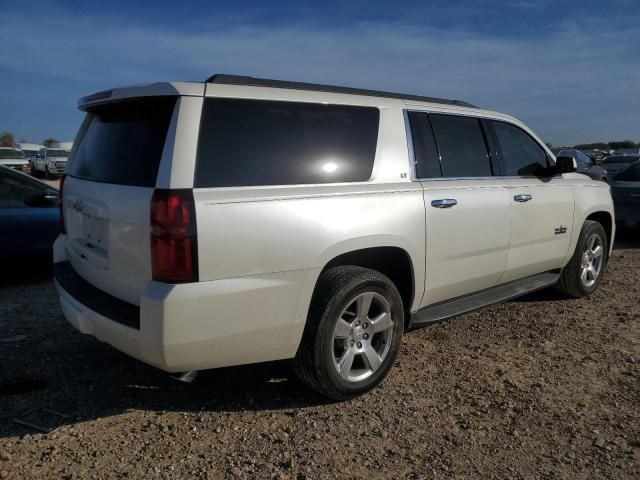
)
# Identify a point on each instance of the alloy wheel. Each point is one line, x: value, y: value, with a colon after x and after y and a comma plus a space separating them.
x: 362, y: 336
x: 591, y: 263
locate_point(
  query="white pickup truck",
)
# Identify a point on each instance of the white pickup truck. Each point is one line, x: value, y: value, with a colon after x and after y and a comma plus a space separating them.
x: 50, y: 162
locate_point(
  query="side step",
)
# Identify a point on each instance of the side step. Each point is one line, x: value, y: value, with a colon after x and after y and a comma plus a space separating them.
x: 501, y: 293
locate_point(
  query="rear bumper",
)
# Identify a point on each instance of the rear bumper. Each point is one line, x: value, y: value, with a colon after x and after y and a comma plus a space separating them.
x: 201, y: 325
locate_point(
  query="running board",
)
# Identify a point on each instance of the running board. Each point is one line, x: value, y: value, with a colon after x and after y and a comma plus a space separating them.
x: 501, y: 293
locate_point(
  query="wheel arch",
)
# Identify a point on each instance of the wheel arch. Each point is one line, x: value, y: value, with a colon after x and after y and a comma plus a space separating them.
x: 392, y: 261
x: 605, y: 219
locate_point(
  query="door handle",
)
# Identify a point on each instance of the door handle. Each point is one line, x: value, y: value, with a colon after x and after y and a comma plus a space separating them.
x: 523, y: 197
x: 444, y: 203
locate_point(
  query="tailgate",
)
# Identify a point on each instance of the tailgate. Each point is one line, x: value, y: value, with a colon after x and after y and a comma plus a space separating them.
x: 108, y: 236
x: 107, y: 193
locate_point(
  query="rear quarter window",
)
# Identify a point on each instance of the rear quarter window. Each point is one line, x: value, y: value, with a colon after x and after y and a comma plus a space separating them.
x: 122, y: 143
x: 259, y: 142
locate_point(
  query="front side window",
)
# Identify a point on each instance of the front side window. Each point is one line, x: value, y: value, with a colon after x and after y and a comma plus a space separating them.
x: 260, y: 142
x: 583, y: 159
x: 521, y: 154
x: 463, y: 150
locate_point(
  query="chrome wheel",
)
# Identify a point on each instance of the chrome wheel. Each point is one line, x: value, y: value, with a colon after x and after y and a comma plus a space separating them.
x: 592, y: 258
x: 362, y: 336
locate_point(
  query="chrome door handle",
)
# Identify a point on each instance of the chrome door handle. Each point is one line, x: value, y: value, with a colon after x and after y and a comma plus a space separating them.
x: 444, y: 203
x: 523, y: 197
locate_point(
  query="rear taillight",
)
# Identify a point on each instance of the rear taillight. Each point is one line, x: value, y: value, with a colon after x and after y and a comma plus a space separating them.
x: 174, y: 247
x: 61, y: 205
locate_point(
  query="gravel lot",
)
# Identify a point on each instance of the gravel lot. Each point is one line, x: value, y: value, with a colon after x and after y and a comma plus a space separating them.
x: 536, y: 388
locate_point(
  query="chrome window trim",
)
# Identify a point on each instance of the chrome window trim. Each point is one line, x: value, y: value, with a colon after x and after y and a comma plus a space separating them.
x: 412, y: 153
x: 412, y: 157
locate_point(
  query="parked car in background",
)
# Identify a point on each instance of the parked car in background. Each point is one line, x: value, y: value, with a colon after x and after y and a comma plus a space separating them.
x: 628, y: 151
x: 625, y: 190
x: 14, y: 158
x: 50, y: 162
x: 616, y: 163
x: 29, y: 216
x: 244, y: 220
x: 586, y: 164
x: 29, y: 149
x: 596, y: 155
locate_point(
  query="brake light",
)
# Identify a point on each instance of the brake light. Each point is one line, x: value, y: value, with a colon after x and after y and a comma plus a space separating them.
x: 61, y: 206
x: 174, y: 247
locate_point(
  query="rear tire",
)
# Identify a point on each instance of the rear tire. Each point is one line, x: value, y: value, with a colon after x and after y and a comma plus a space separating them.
x: 353, y: 332
x: 582, y: 275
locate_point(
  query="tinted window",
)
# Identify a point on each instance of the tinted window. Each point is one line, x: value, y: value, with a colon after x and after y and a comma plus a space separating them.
x: 521, y: 154
x: 57, y: 153
x: 462, y: 146
x: 255, y: 142
x: 15, y: 188
x: 631, y: 174
x: 427, y: 162
x: 621, y: 159
x: 583, y: 158
x: 122, y: 142
x: 566, y: 153
x: 11, y: 153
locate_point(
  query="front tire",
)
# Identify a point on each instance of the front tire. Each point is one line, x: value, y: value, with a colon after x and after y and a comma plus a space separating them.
x: 582, y: 275
x: 353, y: 332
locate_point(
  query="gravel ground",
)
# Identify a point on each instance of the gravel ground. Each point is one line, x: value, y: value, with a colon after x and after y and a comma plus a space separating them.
x: 541, y: 387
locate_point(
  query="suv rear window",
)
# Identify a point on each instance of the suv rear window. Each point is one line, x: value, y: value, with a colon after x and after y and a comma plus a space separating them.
x: 122, y: 142
x: 259, y: 142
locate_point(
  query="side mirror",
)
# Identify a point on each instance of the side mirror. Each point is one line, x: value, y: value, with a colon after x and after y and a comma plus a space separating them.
x: 566, y: 165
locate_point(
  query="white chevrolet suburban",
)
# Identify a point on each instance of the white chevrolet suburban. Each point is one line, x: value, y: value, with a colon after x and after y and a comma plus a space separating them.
x: 243, y: 220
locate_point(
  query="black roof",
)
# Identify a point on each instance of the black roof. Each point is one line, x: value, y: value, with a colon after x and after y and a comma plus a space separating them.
x: 315, y: 87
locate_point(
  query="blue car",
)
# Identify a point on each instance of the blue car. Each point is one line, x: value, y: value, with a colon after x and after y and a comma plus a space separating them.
x: 29, y: 216
x: 625, y: 189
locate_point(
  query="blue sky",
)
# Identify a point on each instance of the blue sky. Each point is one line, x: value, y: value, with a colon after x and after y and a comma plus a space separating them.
x: 569, y: 69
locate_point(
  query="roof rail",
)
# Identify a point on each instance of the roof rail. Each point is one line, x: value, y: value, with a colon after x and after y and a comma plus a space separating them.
x: 225, y: 79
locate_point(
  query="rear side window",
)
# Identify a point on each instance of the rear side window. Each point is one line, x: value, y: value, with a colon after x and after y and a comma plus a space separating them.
x: 257, y: 142
x: 521, y: 154
x: 463, y: 150
x: 620, y: 159
x: 631, y: 174
x: 122, y: 142
x: 425, y: 151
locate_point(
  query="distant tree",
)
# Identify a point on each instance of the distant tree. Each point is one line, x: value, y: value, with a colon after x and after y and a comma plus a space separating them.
x: 7, y: 139
x: 548, y: 144
x: 622, y: 144
x: 48, y: 142
x: 24, y: 140
x: 593, y: 146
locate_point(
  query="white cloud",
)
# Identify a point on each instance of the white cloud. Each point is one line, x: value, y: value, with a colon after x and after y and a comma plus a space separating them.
x: 571, y: 85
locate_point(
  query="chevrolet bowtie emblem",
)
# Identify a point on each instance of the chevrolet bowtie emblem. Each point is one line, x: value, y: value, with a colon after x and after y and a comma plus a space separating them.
x: 77, y: 206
